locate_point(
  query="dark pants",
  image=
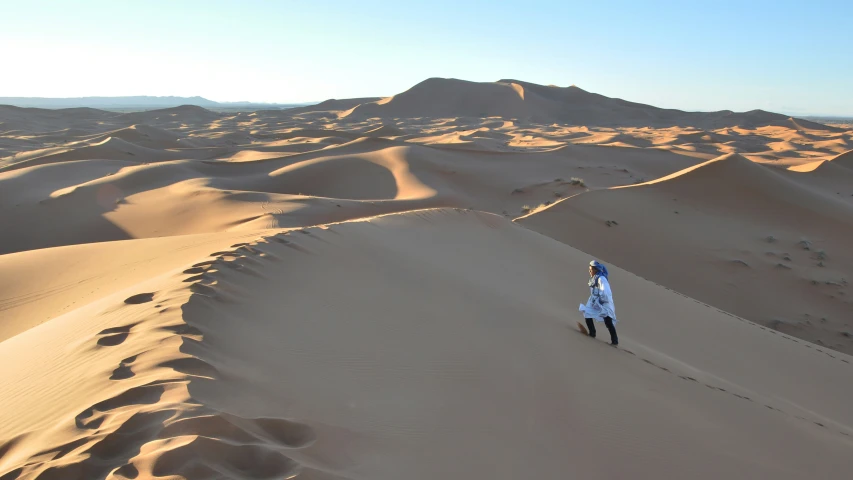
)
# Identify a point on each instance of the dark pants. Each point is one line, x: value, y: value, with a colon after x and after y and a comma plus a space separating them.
x: 608, y: 322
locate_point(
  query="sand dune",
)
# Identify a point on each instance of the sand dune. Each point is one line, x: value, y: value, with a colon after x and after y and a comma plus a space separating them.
x: 108, y: 148
x: 439, y: 97
x: 146, y: 136
x: 159, y: 379
x: 339, y: 291
x: 182, y: 114
x: 331, y: 105
x: 42, y: 120
x: 832, y: 178
x: 384, y: 131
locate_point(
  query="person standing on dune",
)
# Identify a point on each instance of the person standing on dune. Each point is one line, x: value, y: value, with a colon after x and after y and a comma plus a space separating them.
x: 600, y: 307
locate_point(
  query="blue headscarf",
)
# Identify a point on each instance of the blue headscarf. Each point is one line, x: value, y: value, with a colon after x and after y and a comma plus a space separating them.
x: 600, y: 269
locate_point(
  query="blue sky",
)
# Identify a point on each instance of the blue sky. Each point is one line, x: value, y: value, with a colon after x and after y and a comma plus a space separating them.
x: 792, y: 57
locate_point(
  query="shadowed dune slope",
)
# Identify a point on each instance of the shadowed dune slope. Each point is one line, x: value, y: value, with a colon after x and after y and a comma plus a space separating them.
x: 845, y: 159
x: 832, y: 178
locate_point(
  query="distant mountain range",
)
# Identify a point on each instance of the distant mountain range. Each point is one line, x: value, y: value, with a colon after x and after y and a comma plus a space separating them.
x: 136, y: 102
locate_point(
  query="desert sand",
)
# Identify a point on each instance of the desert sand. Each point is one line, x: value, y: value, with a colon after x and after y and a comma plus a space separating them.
x: 388, y: 287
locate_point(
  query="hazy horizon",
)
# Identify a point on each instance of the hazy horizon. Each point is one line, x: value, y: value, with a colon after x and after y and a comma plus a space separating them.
x: 783, y: 57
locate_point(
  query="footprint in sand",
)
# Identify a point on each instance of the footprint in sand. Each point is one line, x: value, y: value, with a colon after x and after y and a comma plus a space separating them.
x: 236, y: 430
x: 224, y: 254
x: 93, y: 417
x: 231, y: 446
x: 111, y: 337
x: 139, y: 298
x: 192, y: 366
x: 114, y: 448
x: 204, y: 264
x: 203, y: 290
x: 290, y: 244
x: 212, y: 458
x: 124, y: 369
x: 184, y: 330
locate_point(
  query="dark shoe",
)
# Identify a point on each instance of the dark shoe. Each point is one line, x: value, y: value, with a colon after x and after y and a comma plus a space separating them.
x: 615, y: 344
x: 590, y: 327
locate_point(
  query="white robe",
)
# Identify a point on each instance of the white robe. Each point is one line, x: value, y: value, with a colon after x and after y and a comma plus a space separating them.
x: 600, y: 303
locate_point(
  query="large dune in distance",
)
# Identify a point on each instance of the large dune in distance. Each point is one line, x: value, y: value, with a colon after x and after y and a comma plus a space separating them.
x: 387, y: 288
x: 36, y: 120
x: 332, y: 105
x: 440, y: 97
